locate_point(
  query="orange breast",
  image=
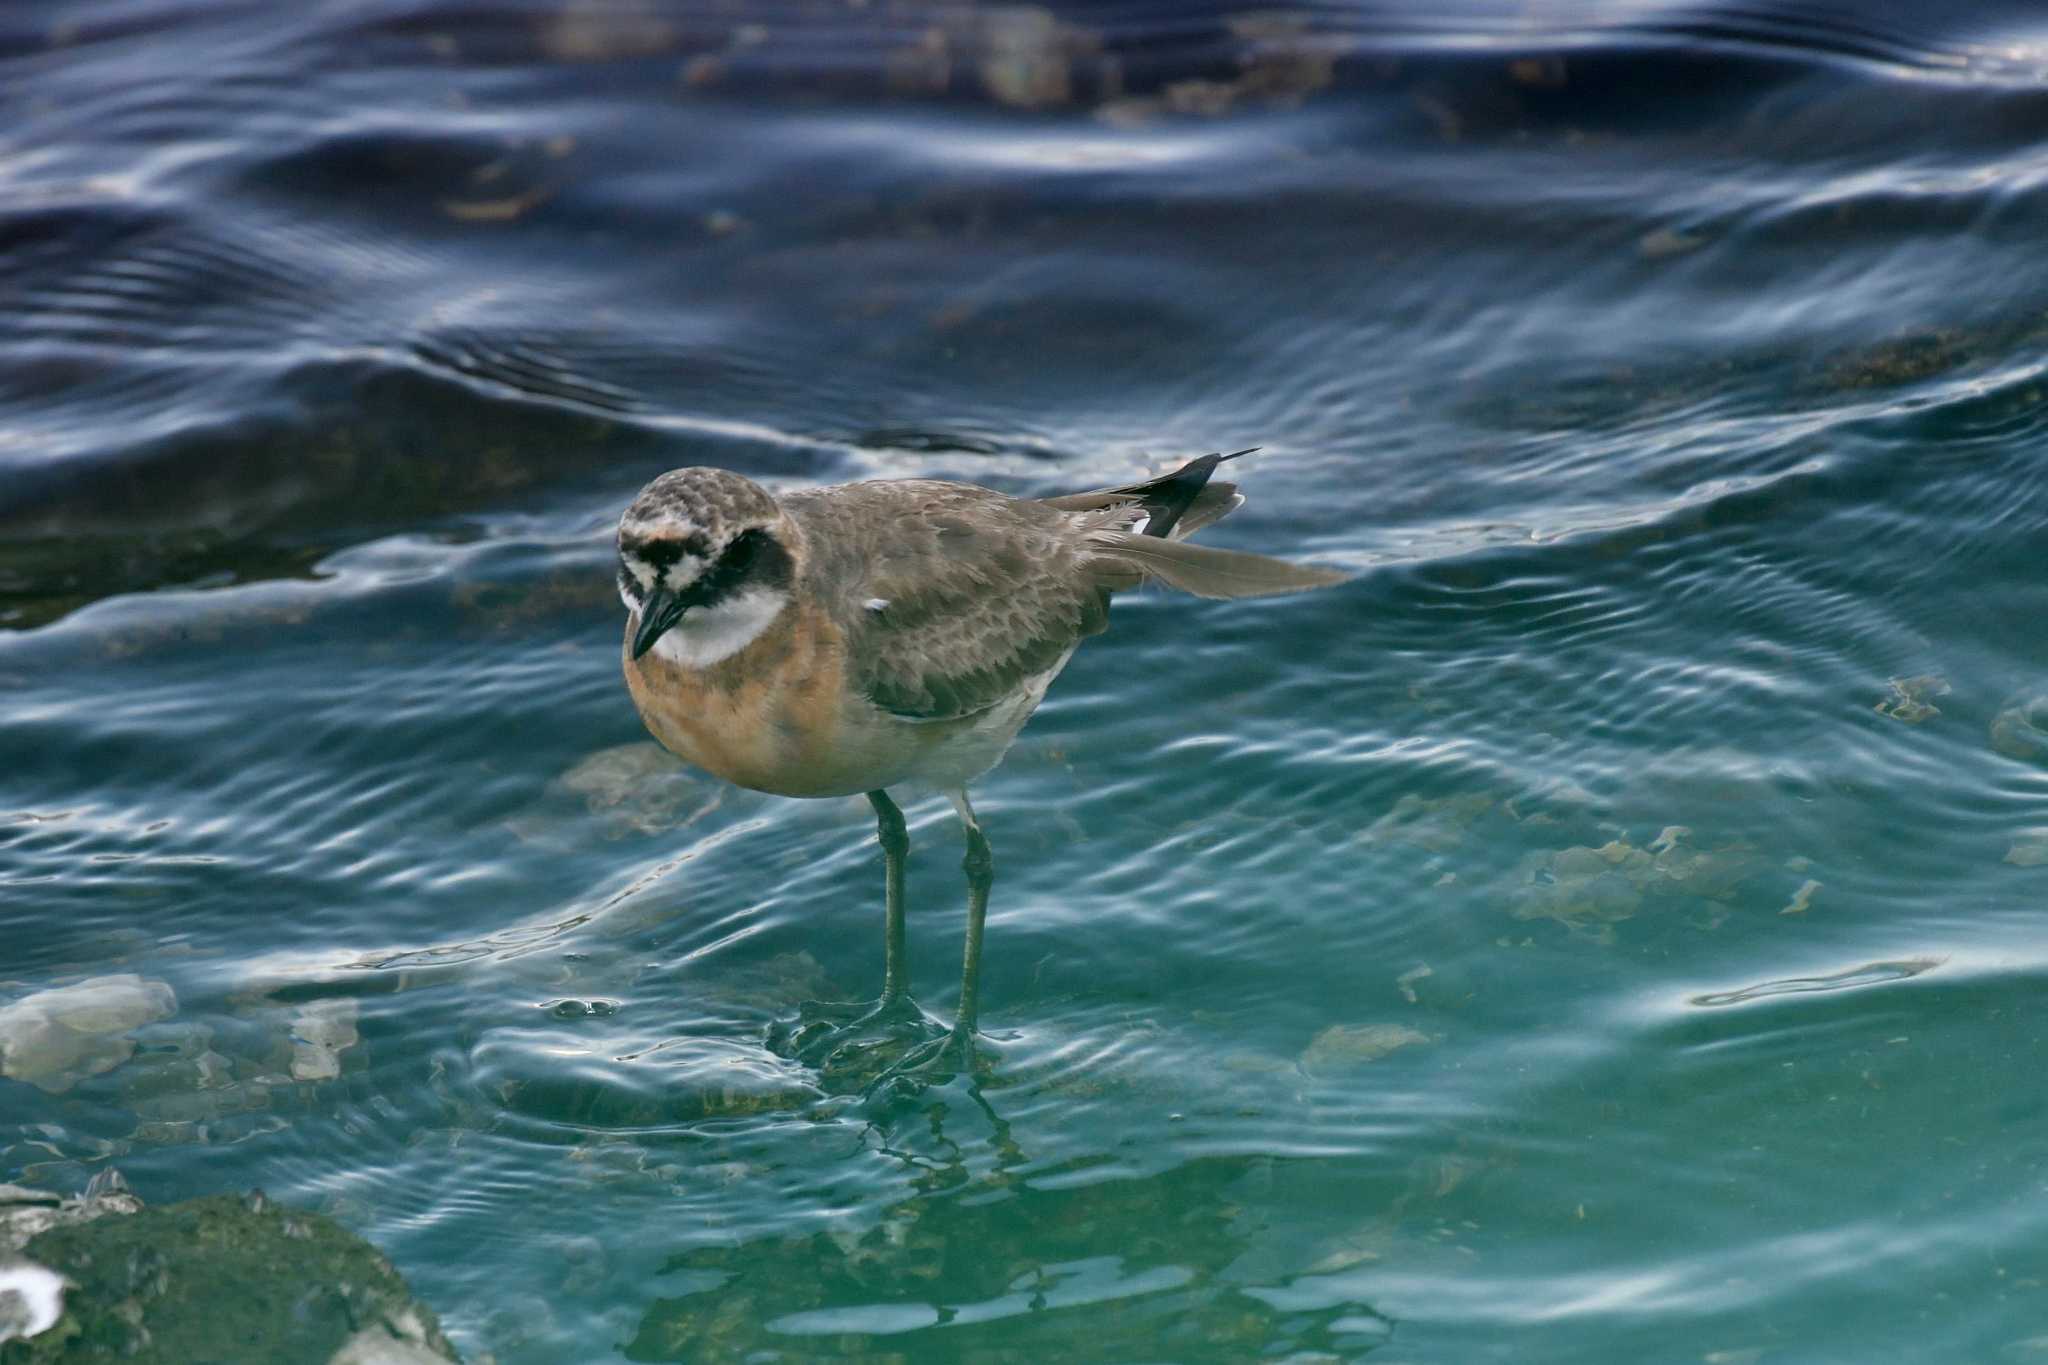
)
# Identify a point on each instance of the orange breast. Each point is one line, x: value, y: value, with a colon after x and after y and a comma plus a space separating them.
x: 767, y: 718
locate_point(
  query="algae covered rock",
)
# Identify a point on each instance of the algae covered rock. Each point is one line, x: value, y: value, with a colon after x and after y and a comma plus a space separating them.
x: 32, y: 1295
x: 28, y: 1213
x: 223, y: 1278
x: 1589, y: 890
x: 1581, y: 886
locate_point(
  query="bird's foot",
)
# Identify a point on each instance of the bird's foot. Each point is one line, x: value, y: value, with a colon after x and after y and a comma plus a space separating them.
x: 840, y: 1035
x: 937, y: 1061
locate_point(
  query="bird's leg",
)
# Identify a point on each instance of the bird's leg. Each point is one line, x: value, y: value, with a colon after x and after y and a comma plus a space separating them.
x: 980, y: 867
x: 894, y: 837
x: 954, y: 1052
x: 822, y: 1028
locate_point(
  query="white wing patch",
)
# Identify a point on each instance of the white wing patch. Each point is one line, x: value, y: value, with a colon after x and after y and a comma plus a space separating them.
x: 876, y: 604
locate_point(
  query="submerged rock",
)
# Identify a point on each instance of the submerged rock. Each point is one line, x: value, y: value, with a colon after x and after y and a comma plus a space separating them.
x: 56, y: 1038
x: 1347, y: 1045
x: 1908, y: 358
x: 605, y: 31
x: 1802, y: 899
x: 224, y: 1278
x: 1025, y: 53
x: 1664, y: 242
x: 321, y: 1031
x: 1908, y: 699
x: 1284, y: 57
x: 1588, y: 890
x: 639, y: 788
x: 2030, y: 849
x: 1581, y: 886
x: 2020, y: 729
x: 1436, y: 824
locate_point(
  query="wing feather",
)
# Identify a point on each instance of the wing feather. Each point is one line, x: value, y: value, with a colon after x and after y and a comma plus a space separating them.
x: 984, y: 593
x: 955, y: 598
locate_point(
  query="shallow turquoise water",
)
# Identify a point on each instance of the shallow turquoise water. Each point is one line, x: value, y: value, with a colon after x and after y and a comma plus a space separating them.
x: 1607, y: 930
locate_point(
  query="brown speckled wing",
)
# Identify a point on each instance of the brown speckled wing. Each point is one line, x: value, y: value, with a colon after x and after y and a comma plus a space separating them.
x: 981, y: 591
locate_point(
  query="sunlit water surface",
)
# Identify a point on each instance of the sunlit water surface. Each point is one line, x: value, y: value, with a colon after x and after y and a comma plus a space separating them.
x: 1607, y: 930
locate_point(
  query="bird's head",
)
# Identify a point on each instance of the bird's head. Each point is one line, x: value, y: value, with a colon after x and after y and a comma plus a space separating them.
x: 709, y: 542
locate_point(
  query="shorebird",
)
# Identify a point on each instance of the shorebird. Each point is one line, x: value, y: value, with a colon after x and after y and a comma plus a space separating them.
x: 847, y: 640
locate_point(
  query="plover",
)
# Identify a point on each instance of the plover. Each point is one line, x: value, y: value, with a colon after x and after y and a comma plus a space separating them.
x: 851, y: 639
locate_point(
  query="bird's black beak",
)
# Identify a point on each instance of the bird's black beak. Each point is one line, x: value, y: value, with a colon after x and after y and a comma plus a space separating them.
x: 661, y: 610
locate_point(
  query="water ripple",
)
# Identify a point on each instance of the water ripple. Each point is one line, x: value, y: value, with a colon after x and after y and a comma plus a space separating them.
x: 1849, y: 978
x: 1504, y: 943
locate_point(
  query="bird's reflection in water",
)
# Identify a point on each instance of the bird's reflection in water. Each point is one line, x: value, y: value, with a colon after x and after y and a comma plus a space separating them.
x: 991, y: 1257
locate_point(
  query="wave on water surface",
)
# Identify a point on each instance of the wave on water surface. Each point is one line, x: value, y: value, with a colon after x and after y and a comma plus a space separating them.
x: 1559, y: 939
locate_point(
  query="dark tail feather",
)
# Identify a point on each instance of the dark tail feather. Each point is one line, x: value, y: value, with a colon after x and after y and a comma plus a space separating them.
x: 1185, y: 498
x: 1123, y: 559
x: 1167, y: 499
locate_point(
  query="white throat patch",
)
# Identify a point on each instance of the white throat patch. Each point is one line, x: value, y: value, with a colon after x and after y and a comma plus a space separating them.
x: 706, y: 635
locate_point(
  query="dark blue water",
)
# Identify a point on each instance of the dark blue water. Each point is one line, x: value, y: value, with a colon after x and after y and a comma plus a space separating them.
x: 1610, y: 929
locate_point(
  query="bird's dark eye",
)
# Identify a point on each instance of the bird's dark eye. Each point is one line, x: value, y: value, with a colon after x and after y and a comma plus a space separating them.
x: 733, y: 564
x: 741, y: 554
x: 752, y: 558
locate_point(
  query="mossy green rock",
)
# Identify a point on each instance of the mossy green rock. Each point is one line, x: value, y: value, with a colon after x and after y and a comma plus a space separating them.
x: 230, y: 1279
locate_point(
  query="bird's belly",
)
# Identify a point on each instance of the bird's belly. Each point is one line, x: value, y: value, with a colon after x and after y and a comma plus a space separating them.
x: 730, y: 736
x: 769, y: 718
x: 950, y: 754
x: 777, y: 718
